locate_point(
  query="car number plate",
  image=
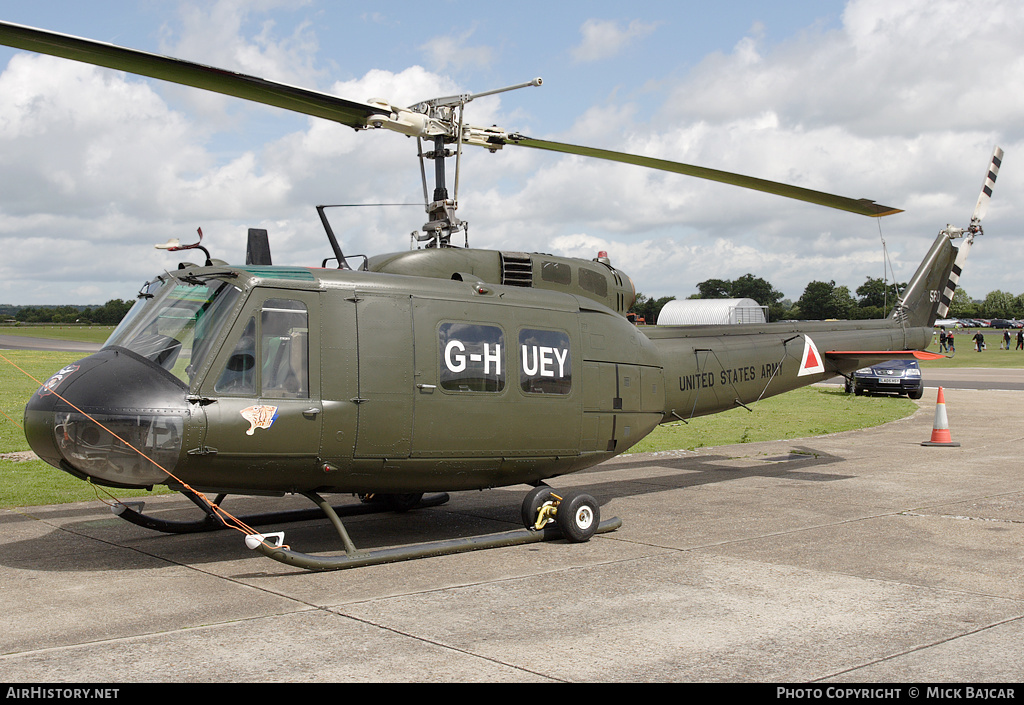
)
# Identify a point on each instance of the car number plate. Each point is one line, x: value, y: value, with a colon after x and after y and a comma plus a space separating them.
x: 889, y: 380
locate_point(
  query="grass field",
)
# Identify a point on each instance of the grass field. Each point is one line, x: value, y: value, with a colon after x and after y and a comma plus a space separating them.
x: 966, y: 356
x: 32, y: 482
x: 811, y: 411
x: 806, y: 412
x: 85, y: 334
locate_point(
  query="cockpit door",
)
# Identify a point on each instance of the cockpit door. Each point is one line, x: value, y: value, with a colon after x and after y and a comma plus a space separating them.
x: 262, y: 397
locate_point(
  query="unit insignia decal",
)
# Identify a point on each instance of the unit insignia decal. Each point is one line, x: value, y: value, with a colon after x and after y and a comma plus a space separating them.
x: 54, y: 381
x: 261, y: 416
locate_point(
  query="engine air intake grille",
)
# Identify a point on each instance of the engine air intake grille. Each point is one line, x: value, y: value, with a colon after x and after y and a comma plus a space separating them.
x: 516, y: 269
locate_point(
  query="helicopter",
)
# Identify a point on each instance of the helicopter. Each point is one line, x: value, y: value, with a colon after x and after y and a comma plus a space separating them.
x: 402, y: 377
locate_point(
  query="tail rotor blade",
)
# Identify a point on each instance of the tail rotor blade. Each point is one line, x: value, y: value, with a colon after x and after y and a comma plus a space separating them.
x: 965, y: 247
x: 990, y: 181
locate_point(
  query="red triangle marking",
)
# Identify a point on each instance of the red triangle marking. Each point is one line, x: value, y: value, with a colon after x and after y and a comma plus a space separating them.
x: 812, y: 360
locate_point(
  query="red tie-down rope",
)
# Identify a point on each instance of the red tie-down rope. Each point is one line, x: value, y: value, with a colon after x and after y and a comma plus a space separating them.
x: 229, y: 520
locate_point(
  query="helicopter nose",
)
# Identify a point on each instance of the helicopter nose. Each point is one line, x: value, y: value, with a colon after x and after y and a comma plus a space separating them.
x: 113, y: 417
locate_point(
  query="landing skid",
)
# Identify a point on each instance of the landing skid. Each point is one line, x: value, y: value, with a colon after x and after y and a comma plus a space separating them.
x: 357, y: 559
x: 132, y: 512
x: 272, y: 545
x: 579, y: 520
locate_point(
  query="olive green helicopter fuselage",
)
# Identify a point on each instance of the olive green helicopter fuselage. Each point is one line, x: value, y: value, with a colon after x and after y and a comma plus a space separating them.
x: 269, y: 379
x: 432, y: 370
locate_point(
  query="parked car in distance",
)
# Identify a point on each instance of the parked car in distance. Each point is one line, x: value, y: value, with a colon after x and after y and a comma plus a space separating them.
x: 890, y: 377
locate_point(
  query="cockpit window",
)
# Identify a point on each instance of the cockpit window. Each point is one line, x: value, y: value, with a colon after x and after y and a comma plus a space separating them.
x: 176, y: 327
x: 239, y: 375
x: 279, y: 365
x: 284, y: 334
x: 146, y: 293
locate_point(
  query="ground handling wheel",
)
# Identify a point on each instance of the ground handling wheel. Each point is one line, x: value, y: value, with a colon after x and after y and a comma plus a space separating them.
x: 532, y: 504
x: 578, y: 516
x: 575, y: 514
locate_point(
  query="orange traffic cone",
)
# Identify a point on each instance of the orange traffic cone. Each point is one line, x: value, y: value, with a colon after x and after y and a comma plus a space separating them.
x: 940, y: 429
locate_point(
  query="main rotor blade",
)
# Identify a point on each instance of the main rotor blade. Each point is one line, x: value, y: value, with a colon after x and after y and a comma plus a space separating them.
x: 861, y: 206
x: 355, y: 114
x: 166, y: 68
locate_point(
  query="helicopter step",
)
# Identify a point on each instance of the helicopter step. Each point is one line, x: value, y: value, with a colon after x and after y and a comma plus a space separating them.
x: 579, y: 520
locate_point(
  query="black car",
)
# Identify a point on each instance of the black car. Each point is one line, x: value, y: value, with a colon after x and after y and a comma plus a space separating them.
x: 891, y: 377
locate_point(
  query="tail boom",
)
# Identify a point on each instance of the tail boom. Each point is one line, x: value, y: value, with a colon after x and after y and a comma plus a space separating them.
x: 709, y: 369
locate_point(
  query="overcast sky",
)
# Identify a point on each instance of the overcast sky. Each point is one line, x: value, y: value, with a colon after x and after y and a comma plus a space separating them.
x: 899, y: 102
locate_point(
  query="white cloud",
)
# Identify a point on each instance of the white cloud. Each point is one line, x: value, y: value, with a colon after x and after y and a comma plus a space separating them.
x: 892, y: 68
x: 454, y: 52
x: 216, y: 34
x: 603, y: 39
x: 901, y: 103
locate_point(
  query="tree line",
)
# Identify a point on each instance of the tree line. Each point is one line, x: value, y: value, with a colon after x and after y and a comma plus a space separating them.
x: 997, y: 304
x: 820, y: 301
x: 109, y: 314
x: 823, y: 300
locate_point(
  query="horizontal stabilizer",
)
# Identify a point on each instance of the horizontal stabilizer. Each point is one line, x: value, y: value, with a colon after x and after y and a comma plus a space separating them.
x: 869, y: 357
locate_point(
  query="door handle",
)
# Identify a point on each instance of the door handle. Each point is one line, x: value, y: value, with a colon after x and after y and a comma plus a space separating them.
x: 311, y: 413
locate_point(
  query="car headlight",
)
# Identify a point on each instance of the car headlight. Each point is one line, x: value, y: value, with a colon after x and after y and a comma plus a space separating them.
x: 912, y: 373
x: 863, y: 371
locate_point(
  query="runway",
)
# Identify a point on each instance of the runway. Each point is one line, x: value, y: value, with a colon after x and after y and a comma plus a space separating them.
x: 859, y: 557
x: 24, y: 342
x: 975, y: 378
x: 968, y: 378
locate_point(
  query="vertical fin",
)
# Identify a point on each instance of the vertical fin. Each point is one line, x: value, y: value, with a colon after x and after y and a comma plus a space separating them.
x: 954, y: 278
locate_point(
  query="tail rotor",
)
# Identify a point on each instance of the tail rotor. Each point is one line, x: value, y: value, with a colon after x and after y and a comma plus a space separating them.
x: 986, y: 189
x: 968, y: 234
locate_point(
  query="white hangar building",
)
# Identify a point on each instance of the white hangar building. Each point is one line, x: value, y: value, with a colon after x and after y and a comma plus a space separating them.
x: 710, y: 312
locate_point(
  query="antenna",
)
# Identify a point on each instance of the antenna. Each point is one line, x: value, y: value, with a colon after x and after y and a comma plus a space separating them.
x: 174, y: 245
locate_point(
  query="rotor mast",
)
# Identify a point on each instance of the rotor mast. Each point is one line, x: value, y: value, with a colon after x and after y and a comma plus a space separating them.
x: 441, y: 223
x: 441, y: 120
